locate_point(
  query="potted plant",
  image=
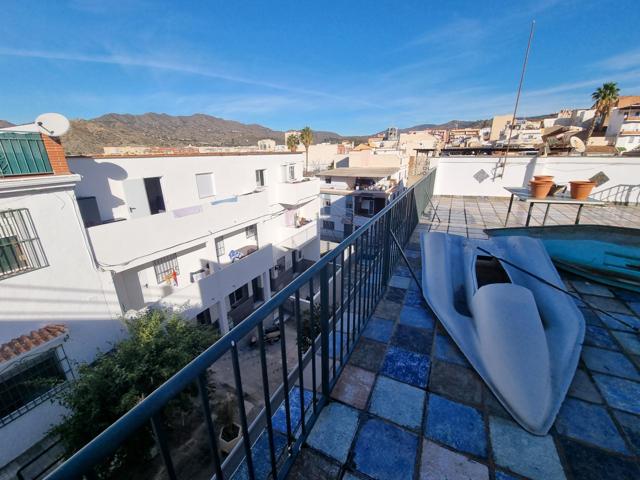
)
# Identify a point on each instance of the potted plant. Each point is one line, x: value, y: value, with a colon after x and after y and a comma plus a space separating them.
x: 548, y: 178
x: 581, y: 189
x: 540, y: 188
x: 229, y: 429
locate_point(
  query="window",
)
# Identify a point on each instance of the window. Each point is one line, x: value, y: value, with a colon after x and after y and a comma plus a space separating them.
x: 292, y: 172
x: 349, y: 202
x: 251, y: 231
x: 20, y: 248
x: 31, y: 383
x: 206, y: 185
x: 220, y: 247
x: 154, y: 195
x: 260, y: 178
x: 326, y: 211
x: 327, y: 180
x: 328, y: 225
x: 165, y: 268
x: 235, y: 298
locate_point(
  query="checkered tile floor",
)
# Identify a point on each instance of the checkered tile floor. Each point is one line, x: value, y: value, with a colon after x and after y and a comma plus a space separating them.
x: 409, y: 406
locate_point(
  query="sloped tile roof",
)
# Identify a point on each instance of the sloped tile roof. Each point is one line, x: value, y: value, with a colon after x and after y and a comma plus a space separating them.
x: 25, y: 343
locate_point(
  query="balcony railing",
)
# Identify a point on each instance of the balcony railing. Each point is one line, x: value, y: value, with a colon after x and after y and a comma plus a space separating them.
x: 23, y: 154
x: 365, y: 259
x: 297, y: 192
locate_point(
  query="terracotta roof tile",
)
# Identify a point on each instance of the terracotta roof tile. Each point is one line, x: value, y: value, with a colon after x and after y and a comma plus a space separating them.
x: 25, y: 343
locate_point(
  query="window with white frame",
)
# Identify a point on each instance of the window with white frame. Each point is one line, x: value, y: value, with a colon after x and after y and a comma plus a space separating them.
x: 20, y: 247
x: 220, y: 247
x: 206, y: 185
x: 166, y: 268
x: 292, y: 172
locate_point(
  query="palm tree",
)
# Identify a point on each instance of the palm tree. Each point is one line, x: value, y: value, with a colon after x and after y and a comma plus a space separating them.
x: 605, y: 97
x: 306, y: 137
x: 292, y: 142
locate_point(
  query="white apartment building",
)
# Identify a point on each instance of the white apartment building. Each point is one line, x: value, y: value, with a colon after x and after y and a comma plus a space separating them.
x: 212, y: 235
x: 523, y: 133
x: 624, y: 128
x: 56, y: 307
x: 351, y: 196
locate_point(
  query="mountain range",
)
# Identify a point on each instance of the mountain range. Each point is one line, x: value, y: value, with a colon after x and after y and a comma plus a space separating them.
x: 87, y: 137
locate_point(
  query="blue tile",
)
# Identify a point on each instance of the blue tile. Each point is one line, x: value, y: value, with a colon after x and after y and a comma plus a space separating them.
x: 383, y: 451
x: 578, y: 301
x: 334, y: 430
x: 588, y: 463
x: 413, y: 298
x: 456, y: 425
x: 589, y: 288
x: 619, y: 393
x: 402, y: 271
x: 395, y: 294
x: 406, y: 366
x: 627, y: 295
x: 590, y: 317
x: 529, y: 455
x: 417, y: 340
x: 619, y: 321
x: 631, y: 426
x: 504, y: 476
x: 630, y: 341
x: 260, y: 454
x: 379, y: 329
x: 417, y: 317
x: 635, y: 306
x: 398, y: 402
x: 447, y: 351
x: 589, y: 423
x: 279, y: 418
x: 399, y: 282
x: 613, y: 363
x: 599, y: 337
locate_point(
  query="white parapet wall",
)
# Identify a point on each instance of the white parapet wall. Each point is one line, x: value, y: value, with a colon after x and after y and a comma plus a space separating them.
x: 474, y: 175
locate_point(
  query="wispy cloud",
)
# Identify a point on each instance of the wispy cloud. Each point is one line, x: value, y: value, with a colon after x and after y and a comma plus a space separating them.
x: 621, y: 61
x: 172, y: 66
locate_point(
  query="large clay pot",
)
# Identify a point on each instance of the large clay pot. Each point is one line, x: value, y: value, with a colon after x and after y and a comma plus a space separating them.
x: 581, y: 189
x: 545, y: 178
x: 540, y: 188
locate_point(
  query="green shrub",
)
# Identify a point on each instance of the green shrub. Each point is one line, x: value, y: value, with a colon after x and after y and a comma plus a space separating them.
x: 159, y: 344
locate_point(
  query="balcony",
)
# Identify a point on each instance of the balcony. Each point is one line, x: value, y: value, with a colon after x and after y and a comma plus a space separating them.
x: 295, y: 193
x: 178, y: 227
x: 206, y: 291
x: 23, y: 154
x: 294, y: 238
x: 378, y: 389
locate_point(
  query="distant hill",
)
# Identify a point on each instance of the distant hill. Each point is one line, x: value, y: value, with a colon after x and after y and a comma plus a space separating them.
x: 159, y: 129
x: 4, y: 123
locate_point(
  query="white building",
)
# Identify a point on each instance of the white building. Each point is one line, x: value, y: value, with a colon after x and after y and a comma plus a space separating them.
x: 56, y: 307
x: 624, y: 127
x: 351, y: 196
x: 212, y: 235
x: 266, y: 145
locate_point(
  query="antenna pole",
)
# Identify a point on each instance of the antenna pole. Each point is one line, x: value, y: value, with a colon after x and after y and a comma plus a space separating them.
x: 503, y: 163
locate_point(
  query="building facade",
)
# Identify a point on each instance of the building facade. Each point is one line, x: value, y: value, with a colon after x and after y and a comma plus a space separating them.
x: 211, y: 235
x: 624, y: 128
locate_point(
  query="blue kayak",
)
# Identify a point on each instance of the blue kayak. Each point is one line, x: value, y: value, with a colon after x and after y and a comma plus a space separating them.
x: 605, y: 254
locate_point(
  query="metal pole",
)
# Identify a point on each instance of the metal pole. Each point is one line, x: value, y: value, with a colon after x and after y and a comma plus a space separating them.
x: 515, y: 108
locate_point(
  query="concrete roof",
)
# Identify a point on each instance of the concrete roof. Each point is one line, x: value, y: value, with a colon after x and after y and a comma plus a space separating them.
x: 377, y: 172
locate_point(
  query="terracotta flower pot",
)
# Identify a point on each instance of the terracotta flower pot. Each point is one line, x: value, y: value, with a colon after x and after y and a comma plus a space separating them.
x: 546, y: 178
x: 540, y: 188
x: 581, y: 189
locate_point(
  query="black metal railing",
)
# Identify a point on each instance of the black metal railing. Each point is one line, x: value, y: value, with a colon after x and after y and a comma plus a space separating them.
x: 353, y: 278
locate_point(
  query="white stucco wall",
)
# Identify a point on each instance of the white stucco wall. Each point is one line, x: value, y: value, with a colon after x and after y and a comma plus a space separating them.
x: 69, y: 291
x: 455, y: 175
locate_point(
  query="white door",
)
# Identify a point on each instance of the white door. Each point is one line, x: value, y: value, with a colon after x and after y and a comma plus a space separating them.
x: 135, y: 195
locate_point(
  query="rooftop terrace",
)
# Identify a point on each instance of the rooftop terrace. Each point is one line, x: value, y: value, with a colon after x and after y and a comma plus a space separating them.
x: 385, y: 392
x: 409, y: 405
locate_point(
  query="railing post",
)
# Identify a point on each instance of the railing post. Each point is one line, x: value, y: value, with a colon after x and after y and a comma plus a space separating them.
x: 324, y: 330
x: 386, y: 247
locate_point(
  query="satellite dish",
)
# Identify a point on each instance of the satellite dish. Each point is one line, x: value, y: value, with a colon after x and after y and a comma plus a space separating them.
x: 52, y: 124
x: 577, y: 144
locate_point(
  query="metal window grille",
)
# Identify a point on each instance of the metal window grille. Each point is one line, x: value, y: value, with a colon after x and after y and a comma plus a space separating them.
x: 165, y: 266
x: 251, y: 231
x: 328, y: 225
x: 32, y: 382
x: 20, y: 247
x: 220, y: 246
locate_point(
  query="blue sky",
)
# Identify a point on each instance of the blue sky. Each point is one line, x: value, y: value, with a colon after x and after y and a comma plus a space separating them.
x: 353, y: 66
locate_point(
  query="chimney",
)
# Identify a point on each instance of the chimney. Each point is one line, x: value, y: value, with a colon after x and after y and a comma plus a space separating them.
x: 54, y: 149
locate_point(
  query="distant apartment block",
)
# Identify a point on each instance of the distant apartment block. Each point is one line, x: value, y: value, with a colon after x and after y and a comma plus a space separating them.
x: 624, y: 128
